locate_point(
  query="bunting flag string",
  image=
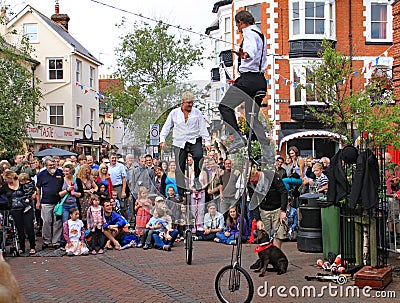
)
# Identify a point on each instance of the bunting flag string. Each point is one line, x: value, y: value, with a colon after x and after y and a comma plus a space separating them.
x: 364, y: 69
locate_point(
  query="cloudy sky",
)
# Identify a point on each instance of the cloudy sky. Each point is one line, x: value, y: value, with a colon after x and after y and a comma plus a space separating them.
x: 93, y: 24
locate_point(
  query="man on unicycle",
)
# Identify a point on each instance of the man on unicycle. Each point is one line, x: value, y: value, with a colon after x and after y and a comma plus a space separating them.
x: 190, y: 128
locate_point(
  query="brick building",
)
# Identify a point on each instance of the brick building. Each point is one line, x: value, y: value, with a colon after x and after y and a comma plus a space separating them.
x: 295, y: 29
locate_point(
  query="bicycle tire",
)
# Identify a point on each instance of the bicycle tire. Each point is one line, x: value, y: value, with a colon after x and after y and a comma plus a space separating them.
x: 229, y: 285
x: 189, y: 246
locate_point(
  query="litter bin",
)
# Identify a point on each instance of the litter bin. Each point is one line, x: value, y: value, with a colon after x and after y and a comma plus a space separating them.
x: 330, y: 219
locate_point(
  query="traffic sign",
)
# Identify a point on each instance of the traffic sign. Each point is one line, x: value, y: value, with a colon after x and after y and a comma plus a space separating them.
x: 154, y: 134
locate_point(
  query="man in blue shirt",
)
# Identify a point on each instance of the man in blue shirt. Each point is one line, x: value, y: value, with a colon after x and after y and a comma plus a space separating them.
x: 114, y: 225
x: 48, y: 183
x: 117, y: 173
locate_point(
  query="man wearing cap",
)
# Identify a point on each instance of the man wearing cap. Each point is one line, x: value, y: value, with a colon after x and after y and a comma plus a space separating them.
x: 190, y: 128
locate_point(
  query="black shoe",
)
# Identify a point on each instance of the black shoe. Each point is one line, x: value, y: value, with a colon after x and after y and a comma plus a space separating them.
x: 197, y: 185
x: 256, y: 264
x: 46, y: 246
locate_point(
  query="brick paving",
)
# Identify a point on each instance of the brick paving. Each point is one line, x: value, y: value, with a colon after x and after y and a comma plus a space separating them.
x: 135, y: 275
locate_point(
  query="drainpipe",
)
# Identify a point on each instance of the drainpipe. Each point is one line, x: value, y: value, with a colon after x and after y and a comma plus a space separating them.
x: 33, y: 68
x: 351, y: 61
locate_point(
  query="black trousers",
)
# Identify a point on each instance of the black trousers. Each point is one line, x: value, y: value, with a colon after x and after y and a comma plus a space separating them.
x: 181, y: 155
x: 244, y: 90
x: 24, y: 222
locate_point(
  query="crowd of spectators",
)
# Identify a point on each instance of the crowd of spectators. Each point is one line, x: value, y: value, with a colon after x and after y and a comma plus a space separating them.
x: 117, y: 199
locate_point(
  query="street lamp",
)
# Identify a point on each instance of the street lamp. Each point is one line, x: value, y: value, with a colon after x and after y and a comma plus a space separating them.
x: 102, y: 125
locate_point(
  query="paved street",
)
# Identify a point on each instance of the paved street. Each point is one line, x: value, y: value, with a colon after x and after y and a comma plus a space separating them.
x: 135, y: 275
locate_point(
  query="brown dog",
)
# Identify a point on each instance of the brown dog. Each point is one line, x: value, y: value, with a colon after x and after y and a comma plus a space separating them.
x: 268, y: 253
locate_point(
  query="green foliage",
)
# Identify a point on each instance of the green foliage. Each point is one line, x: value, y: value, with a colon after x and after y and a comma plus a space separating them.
x: 18, y: 98
x: 150, y: 60
x: 371, y: 109
x: 329, y: 78
x: 377, y: 113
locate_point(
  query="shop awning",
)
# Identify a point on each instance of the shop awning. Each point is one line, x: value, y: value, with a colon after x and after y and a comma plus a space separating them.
x: 310, y: 133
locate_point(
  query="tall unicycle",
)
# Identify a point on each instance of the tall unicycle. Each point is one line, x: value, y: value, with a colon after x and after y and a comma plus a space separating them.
x: 233, y: 284
x: 188, y: 231
x: 188, y: 246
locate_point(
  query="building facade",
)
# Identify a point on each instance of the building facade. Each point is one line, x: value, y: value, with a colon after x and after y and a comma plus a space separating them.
x: 295, y: 30
x: 68, y: 73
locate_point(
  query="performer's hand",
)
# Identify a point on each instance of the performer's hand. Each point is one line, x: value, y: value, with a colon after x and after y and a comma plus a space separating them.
x: 208, y: 147
x: 241, y: 53
x: 163, y: 145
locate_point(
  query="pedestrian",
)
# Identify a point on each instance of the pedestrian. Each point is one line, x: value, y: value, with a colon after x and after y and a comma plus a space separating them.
x: 20, y: 198
x: 117, y: 173
x: 95, y: 223
x: 268, y: 205
x: 143, y: 207
x: 252, y: 65
x: 48, y: 183
x: 190, y: 129
x: 74, y: 234
x: 227, y: 187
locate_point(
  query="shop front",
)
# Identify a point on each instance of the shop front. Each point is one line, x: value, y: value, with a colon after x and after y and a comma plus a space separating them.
x: 42, y: 136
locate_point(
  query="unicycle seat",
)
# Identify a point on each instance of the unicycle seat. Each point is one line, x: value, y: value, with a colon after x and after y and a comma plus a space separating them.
x: 260, y: 94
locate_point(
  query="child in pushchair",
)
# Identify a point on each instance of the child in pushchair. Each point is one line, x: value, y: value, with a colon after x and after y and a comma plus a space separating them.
x: 8, y: 234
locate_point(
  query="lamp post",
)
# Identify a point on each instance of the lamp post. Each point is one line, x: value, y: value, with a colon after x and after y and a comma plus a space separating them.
x: 102, y: 125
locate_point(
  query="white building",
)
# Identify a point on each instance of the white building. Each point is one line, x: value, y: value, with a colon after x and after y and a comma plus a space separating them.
x: 69, y: 82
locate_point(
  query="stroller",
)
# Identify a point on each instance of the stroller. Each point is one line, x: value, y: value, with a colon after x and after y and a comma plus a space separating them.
x: 8, y: 234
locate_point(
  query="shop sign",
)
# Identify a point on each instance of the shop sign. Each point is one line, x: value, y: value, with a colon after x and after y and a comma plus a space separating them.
x: 51, y: 132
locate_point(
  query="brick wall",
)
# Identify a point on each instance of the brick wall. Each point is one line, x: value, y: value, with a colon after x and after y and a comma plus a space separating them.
x: 396, y: 49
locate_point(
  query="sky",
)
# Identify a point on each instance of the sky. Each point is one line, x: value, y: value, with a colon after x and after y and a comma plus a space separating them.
x: 93, y: 25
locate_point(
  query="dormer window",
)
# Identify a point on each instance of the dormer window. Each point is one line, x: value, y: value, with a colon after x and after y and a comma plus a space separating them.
x: 31, y: 32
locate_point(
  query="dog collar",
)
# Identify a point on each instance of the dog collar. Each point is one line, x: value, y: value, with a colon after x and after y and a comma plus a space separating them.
x: 264, y: 246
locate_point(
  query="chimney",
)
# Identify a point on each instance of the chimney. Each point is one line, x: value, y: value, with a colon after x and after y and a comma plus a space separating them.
x: 60, y: 19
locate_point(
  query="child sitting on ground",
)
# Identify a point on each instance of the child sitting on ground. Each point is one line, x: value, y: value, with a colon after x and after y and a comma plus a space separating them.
x: 185, y: 220
x: 173, y: 202
x: 155, y: 225
x: 74, y: 234
x: 95, y: 222
x: 142, y: 209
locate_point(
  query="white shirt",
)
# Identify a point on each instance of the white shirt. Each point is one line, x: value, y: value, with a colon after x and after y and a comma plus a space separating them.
x: 188, y: 131
x: 252, y: 44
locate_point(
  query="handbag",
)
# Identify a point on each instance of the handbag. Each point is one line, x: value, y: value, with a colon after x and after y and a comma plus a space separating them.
x: 58, y: 209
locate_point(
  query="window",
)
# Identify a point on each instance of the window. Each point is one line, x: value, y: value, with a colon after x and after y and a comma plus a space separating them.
x: 55, y: 68
x: 302, y: 75
x: 255, y: 10
x: 78, y: 115
x: 56, y: 114
x: 312, y: 19
x: 108, y: 130
x: 31, y: 31
x: 78, y: 71
x: 91, y: 77
x: 379, y: 21
x: 228, y: 32
x: 217, y: 51
x: 296, y: 18
x: 92, y: 116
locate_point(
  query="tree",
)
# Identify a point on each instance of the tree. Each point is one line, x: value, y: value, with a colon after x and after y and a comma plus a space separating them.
x: 19, y: 96
x: 150, y: 61
x: 369, y: 109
